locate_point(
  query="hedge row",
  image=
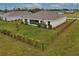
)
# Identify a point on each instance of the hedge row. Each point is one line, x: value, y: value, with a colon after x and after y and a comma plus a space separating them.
x: 35, y: 43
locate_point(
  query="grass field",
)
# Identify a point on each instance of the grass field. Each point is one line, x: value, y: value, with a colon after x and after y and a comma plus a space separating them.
x: 67, y: 43
x: 9, y: 46
x: 74, y: 15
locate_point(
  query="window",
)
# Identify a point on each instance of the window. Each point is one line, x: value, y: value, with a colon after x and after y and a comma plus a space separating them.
x: 48, y: 22
x: 34, y: 21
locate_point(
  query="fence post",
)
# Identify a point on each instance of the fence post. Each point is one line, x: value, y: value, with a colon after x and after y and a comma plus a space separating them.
x: 43, y: 46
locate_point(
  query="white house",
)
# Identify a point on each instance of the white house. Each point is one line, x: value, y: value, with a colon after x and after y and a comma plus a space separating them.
x: 69, y: 12
x: 55, y: 18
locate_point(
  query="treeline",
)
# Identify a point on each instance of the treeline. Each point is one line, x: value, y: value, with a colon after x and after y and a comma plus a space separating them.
x: 22, y: 9
x: 35, y: 9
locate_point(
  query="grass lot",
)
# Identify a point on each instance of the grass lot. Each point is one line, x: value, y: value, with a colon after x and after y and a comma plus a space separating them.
x: 9, y: 46
x: 74, y: 15
x: 67, y: 43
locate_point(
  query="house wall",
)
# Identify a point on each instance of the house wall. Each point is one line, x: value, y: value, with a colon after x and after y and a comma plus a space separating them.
x: 28, y: 21
x: 23, y: 20
x: 11, y: 18
x: 56, y: 22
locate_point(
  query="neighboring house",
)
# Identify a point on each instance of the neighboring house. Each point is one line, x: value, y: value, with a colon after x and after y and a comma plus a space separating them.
x: 1, y: 14
x: 55, y: 18
x: 69, y: 12
x: 15, y: 15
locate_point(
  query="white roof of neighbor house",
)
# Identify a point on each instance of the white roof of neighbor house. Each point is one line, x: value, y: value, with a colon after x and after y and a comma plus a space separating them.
x: 46, y: 15
x: 16, y: 13
x: 2, y: 13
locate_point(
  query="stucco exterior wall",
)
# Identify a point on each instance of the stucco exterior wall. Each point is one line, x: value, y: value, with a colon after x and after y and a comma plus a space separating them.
x: 11, y: 18
x: 56, y: 22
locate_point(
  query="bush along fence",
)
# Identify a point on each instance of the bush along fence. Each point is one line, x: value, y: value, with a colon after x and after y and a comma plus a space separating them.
x: 32, y: 42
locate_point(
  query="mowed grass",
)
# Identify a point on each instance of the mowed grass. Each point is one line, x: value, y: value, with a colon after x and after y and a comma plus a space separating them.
x: 32, y: 32
x: 9, y: 46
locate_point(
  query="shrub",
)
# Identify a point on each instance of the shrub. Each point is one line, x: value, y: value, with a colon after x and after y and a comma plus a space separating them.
x: 4, y: 31
x: 39, y: 25
x: 8, y: 32
x: 18, y: 37
x: 21, y: 22
x: 15, y: 36
x: 26, y: 23
x: 37, y: 44
x: 45, y: 26
x: 1, y: 18
x: 50, y: 26
x: 30, y: 41
x: 11, y: 35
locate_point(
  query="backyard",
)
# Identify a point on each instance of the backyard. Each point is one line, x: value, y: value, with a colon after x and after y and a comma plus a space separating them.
x: 66, y: 43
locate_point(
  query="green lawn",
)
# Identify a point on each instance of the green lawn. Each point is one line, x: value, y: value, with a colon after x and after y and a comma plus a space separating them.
x: 29, y: 31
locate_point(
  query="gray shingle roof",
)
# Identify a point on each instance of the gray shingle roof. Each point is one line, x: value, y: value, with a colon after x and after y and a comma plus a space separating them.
x: 16, y: 13
x: 43, y: 15
x: 2, y: 13
x: 46, y: 15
